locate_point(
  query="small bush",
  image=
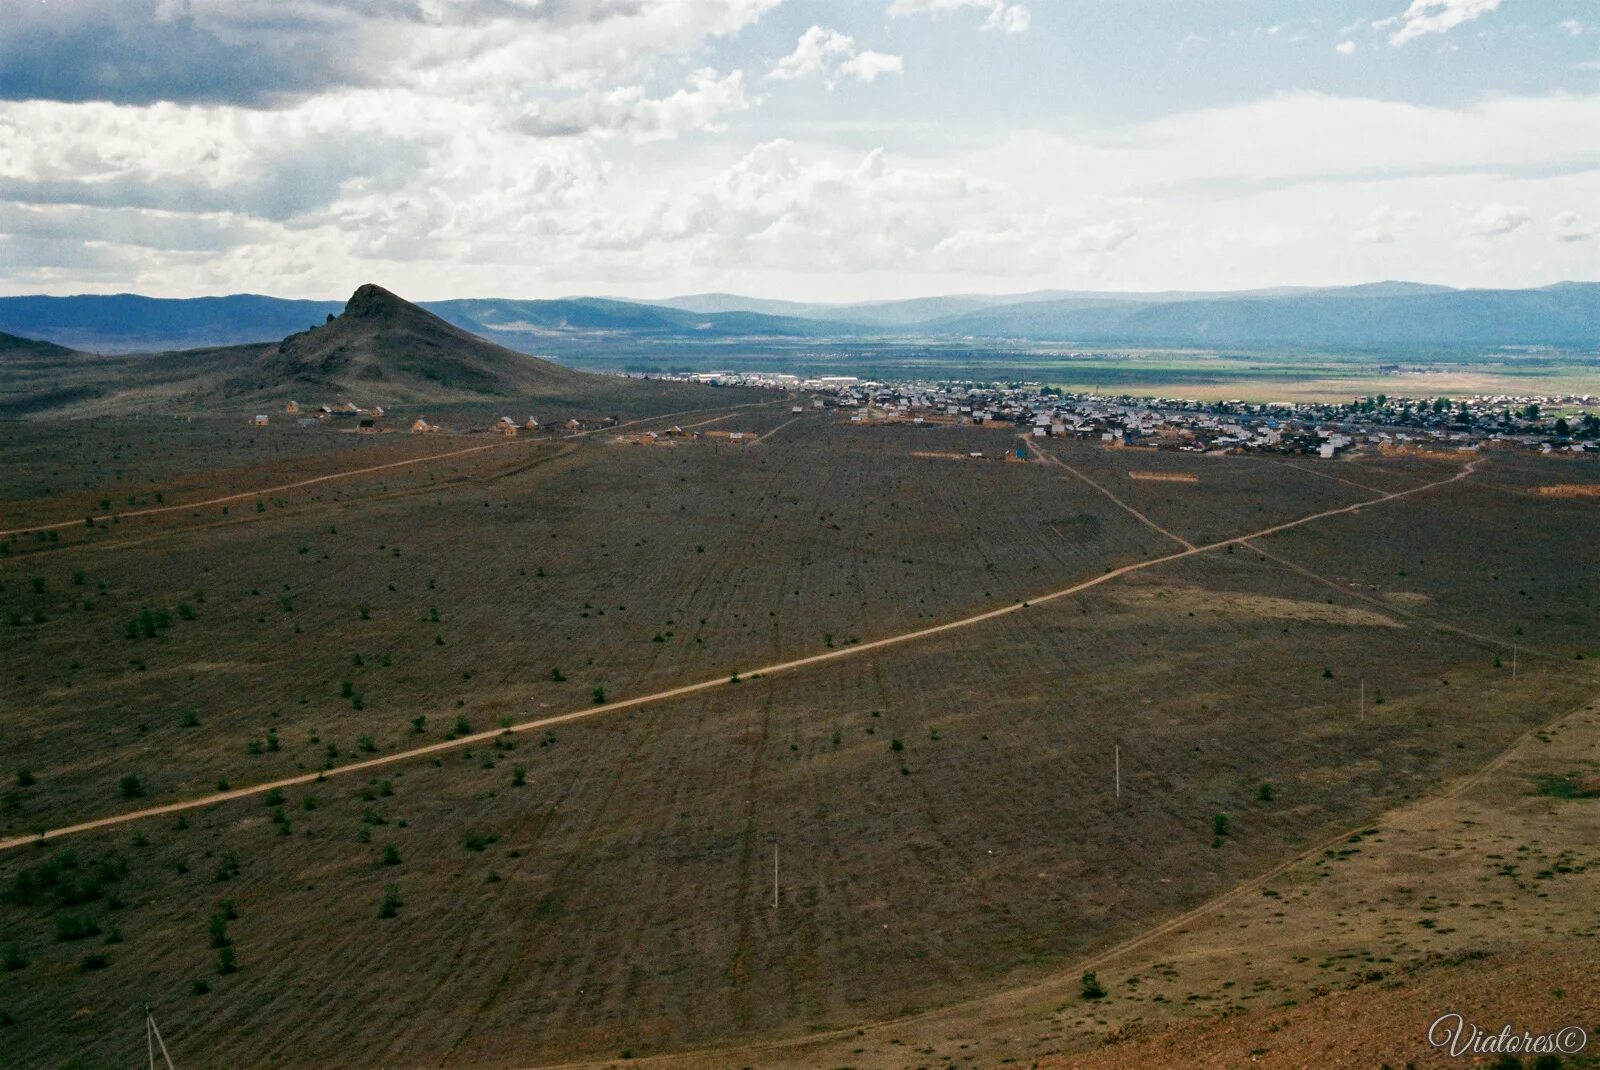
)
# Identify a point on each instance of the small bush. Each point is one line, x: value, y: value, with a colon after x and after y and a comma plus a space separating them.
x: 1264, y: 793
x: 93, y: 961
x: 391, y: 855
x: 1091, y: 986
x: 1219, y: 824
x: 227, y: 961
x: 130, y: 787
x: 391, y: 902
x: 73, y: 927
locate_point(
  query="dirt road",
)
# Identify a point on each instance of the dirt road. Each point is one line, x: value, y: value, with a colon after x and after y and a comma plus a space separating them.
x: 706, y: 685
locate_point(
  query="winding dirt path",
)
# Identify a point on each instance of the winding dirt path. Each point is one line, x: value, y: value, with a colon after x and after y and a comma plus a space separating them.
x: 706, y: 685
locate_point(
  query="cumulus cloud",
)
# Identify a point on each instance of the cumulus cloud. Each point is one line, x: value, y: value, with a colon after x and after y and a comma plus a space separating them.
x: 1384, y: 225
x: 268, y: 53
x: 1573, y: 27
x: 1345, y: 48
x: 1497, y: 220
x: 1570, y: 227
x: 1424, y: 17
x: 834, y: 56
x: 627, y: 112
x: 1012, y: 18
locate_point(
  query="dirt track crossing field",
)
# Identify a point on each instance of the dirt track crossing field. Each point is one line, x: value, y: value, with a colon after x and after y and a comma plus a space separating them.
x: 566, y: 710
x: 545, y: 723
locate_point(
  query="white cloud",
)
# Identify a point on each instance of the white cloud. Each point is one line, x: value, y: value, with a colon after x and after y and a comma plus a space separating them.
x: 627, y: 112
x: 1496, y: 220
x: 1384, y: 225
x: 866, y: 66
x: 1435, y: 16
x: 1573, y: 27
x: 1012, y: 18
x: 834, y: 56
x: 1570, y: 227
x: 1345, y: 48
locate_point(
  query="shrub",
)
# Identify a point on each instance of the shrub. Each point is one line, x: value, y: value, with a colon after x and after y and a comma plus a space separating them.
x: 1219, y: 824
x: 391, y: 902
x: 73, y: 927
x: 227, y: 961
x: 557, y: 677
x: 1091, y: 986
x: 93, y: 961
x: 12, y: 959
x: 599, y: 696
x: 24, y: 778
x: 227, y: 869
x: 519, y: 777
x: 198, y: 987
x: 391, y: 855
x: 130, y: 787
x: 1264, y: 793
x: 219, y: 931
x: 273, y: 797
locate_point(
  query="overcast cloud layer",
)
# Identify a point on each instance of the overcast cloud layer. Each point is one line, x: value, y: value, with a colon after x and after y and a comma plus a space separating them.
x: 831, y: 149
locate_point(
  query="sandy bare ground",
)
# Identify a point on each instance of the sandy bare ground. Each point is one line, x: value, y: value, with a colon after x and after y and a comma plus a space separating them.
x: 544, y: 723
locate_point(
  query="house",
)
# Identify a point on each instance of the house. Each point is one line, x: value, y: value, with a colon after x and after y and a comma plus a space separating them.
x: 573, y: 425
x: 505, y: 426
x: 377, y: 411
x: 259, y: 420
x: 292, y: 408
x: 420, y: 426
x: 367, y: 426
x: 531, y: 425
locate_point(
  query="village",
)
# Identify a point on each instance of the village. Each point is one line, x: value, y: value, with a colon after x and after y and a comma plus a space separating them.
x: 1544, y: 423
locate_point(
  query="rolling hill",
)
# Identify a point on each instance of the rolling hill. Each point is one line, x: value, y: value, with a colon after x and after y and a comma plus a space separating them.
x: 380, y: 349
x: 1566, y: 315
x: 389, y: 350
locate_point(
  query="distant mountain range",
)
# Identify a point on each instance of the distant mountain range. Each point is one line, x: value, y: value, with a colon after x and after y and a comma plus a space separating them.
x: 1378, y: 316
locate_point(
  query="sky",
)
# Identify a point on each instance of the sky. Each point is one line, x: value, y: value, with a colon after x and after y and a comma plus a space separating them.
x: 831, y: 150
